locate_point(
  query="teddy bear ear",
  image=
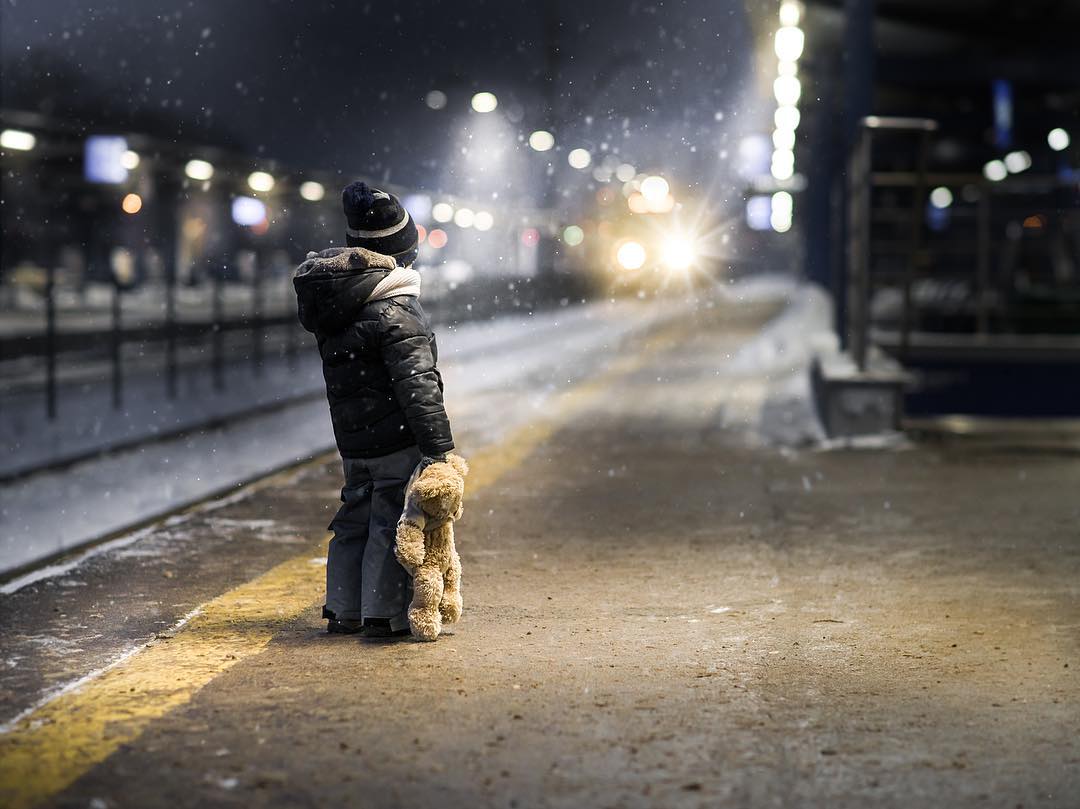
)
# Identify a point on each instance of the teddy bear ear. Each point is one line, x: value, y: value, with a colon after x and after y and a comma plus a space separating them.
x: 459, y: 464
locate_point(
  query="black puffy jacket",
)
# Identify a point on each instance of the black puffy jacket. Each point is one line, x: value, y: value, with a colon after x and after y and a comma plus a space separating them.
x: 379, y: 358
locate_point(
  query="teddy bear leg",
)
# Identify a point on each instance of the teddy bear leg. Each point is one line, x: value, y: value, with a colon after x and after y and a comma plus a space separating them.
x: 424, y: 618
x: 450, y: 605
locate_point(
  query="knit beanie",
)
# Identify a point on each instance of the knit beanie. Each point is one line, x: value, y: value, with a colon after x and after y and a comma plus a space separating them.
x: 377, y: 221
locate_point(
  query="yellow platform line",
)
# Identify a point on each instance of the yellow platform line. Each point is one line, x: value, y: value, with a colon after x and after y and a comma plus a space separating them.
x: 47, y: 750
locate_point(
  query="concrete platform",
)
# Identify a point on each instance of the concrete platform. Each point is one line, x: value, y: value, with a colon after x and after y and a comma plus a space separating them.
x: 663, y: 607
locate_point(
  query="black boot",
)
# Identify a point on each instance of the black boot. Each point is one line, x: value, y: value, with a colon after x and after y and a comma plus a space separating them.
x: 380, y: 628
x: 344, y: 626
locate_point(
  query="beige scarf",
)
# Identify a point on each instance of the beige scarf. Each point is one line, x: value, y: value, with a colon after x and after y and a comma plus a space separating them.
x: 399, y: 281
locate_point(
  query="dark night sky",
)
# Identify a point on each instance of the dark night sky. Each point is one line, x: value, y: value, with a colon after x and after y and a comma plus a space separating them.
x: 341, y: 85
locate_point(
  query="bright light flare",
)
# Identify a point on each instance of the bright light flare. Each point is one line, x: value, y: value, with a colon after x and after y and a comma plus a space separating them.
x: 17, y: 141
x: 464, y: 217
x: 442, y: 212
x: 541, y: 140
x: 678, y: 252
x: 437, y: 239
x: 483, y: 220
x: 131, y: 204
x: 630, y: 255
x: 484, y: 102
x: 129, y: 160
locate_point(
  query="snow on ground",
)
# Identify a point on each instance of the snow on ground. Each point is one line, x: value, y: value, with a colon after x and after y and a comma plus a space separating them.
x: 499, y: 374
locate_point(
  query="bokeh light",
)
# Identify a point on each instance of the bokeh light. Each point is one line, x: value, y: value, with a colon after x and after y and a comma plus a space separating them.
x: 630, y: 255
x: 260, y: 181
x: 484, y: 102
x: 1058, y: 139
x: 579, y: 158
x: 541, y: 140
x: 464, y: 217
x: 199, y: 170
x: 312, y: 191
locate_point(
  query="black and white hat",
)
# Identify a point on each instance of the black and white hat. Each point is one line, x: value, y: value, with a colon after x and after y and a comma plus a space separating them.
x: 377, y: 221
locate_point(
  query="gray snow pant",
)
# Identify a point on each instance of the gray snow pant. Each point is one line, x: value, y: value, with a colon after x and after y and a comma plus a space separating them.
x: 363, y: 578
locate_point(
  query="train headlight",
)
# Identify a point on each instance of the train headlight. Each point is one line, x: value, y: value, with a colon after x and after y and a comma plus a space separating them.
x: 678, y: 253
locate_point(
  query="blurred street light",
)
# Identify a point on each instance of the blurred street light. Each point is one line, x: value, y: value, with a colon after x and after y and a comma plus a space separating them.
x: 442, y: 212
x: 573, y: 235
x: 464, y: 218
x: 783, y: 164
x: 129, y: 160
x: 655, y: 190
x: 787, y: 90
x: 1017, y: 162
x: 625, y: 173
x: 941, y: 197
x: 788, y: 43
x: 783, y: 139
x: 790, y: 12
x: 541, y: 140
x: 17, y: 140
x: 786, y: 117
x: 579, y: 158
x: 131, y: 204
x: 437, y: 238
x: 787, y: 68
x: 1058, y: 139
x: 630, y: 255
x: 636, y: 203
x: 248, y: 211
x: 436, y: 99
x: 312, y: 191
x: 484, y: 102
x: 260, y: 181
x: 995, y: 171
x: 483, y: 220
x: 199, y: 170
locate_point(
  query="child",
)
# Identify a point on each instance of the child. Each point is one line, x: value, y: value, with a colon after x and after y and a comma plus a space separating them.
x: 386, y: 401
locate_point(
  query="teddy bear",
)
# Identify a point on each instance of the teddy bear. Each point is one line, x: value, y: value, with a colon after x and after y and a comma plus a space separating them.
x: 425, y: 545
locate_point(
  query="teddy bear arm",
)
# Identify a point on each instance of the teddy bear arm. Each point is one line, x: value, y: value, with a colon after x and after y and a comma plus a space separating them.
x: 409, y: 545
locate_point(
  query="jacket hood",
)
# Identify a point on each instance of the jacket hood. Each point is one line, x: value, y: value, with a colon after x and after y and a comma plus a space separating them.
x: 332, y: 286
